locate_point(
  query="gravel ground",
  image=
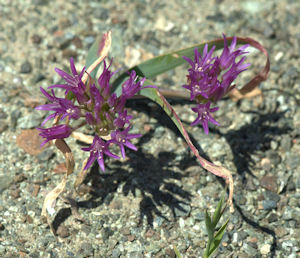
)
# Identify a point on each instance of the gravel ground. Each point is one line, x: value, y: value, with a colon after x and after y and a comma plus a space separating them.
x: 155, y: 199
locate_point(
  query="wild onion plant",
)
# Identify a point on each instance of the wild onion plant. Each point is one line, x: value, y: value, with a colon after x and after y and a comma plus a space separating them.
x: 100, y: 103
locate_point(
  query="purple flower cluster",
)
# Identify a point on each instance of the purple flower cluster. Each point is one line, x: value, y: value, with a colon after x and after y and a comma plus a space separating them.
x: 210, y: 78
x: 104, y: 111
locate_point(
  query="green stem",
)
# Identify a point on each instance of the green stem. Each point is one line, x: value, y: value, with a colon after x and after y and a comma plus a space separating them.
x: 206, y: 252
x: 170, y: 94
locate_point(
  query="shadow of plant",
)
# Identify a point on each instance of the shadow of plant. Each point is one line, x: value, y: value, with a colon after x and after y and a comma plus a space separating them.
x: 153, y: 178
x: 254, y: 137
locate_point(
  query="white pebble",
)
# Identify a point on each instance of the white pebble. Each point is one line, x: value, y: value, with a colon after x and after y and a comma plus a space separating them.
x: 265, y: 249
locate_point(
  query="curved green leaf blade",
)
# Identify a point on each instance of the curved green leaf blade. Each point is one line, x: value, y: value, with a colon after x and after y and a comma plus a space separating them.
x: 209, y: 226
x: 97, y: 52
x: 218, y: 212
x: 163, y: 63
x: 93, y: 55
x: 217, y: 239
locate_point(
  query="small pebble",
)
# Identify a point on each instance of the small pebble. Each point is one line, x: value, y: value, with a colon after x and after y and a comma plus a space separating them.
x: 36, y: 39
x: 26, y: 67
x: 265, y: 249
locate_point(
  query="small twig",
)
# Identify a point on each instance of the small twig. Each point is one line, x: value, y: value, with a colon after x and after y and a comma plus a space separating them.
x: 88, y: 139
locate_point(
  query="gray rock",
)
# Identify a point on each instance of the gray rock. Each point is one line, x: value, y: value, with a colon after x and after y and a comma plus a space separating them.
x: 3, y: 125
x: 293, y: 160
x: 272, y: 217
x: 252, y: 252
x: 286, y: 143
x: 269, y: 204
x: 153, y: 248
x: 106, y: 233
x: 138, y: 192
x: 70, y: 254
x: 274, y: 157
x: 63, y: 41
x: 34, y: 254
x: 297, y: 179
x: 36, y: 39
x: 158, y: 221
x: 85, y: 250
x: 26, y: 67
x: 116, y: 252
x: 136, y: 254
x: 2, y: 249
x: 1, y: 67
x: 5, y: 182
x: 46, y: 155
x: 108, y: 198
x: 182, y: 211
x: 52, y: 254
x: 287, y: 214
x: 242, y: 235
x: 37, y: 78
x: 3, y: 115
x: 269, y: 195
x: 89, y: 40
x: 32, y: 120
x: 296, y: 214
x: 14, y: 116
x: 101, y: 13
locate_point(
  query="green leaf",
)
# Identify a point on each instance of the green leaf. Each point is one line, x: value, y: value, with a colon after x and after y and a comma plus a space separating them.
x: 92, y: 56
x: 218, y: 212
x: 209, y: 227
x: 163, y: 63
x: 217, y: 239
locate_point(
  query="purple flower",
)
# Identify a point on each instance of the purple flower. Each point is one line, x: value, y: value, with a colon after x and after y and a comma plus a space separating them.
x: 122, y: 138
x: 228, y: 55
x: 201, y: 62
x: 103, y: 111
x: 227, y: 79
x: 204, y: 115
x: 61, y: 106
x: 55, y: 132
x: 89, y: 118
x: 202, y: 86
x: 104, y: 79
x: 73, y: 82
x: 132, y: 86
x: 98, y: 101
x: 97, y: 151
x: 203, y: 76
x: 122, y: 119
x: 211, y: 77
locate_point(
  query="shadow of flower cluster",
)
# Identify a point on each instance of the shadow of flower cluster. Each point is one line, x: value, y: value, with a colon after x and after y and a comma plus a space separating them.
x: 254, y: 137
